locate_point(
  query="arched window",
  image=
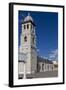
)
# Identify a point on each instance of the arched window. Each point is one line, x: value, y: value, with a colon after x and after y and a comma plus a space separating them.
x: 27, y: 26
x: 24, y: 26
x: 25, y: 38
x: 43, y: 66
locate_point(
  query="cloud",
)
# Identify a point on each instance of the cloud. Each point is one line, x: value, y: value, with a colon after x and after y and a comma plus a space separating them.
x: 54, y: 55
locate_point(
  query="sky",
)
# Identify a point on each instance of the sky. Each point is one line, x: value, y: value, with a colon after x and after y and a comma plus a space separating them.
x: 46, y: 32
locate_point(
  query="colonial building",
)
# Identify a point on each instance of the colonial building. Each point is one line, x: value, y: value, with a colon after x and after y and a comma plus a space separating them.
x: 28, y: 45
x: 44, y: 65
x: 33, y: 62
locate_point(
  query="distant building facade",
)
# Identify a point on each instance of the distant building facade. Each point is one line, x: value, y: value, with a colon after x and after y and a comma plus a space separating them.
x: 34, y: 63
x: 55, y: 65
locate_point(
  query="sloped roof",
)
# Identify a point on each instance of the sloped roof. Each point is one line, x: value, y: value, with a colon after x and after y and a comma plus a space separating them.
x: 28, y: 18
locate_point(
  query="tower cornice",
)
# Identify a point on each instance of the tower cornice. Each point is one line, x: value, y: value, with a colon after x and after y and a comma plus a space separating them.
x: 28, y: 22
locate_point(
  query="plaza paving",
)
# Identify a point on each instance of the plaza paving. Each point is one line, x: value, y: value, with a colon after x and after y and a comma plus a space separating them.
x: 46, y: 74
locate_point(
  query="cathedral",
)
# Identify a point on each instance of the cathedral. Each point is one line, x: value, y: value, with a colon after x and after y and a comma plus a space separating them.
x: 28, y: 50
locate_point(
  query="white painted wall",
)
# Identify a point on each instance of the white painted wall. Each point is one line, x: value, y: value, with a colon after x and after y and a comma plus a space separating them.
x: 20, y: 68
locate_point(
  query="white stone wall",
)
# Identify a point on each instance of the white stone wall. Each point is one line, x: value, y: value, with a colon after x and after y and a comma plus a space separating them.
x: 20, y: 68
x: 33, y: 61
x: 28, y: 63
x: 25, y: 47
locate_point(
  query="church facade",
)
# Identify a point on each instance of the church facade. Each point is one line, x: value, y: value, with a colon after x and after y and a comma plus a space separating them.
x: 33, y: 63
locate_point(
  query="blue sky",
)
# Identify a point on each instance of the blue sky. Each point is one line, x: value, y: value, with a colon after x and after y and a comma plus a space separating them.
x: 46, y: 31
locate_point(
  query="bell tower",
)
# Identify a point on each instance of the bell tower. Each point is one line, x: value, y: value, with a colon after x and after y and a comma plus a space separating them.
x: 28, y: 44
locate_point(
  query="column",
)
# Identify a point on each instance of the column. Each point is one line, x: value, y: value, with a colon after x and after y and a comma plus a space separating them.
x: 24, y: 77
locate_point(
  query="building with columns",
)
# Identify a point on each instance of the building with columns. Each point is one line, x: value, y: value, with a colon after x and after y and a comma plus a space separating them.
x: 33, y: 62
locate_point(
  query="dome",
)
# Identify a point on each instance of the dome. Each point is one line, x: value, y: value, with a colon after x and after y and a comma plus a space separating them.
x: 28, y: 18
